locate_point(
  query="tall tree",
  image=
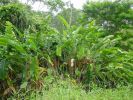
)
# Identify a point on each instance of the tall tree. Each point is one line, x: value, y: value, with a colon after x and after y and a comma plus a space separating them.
x: 3, y: 2
x: 71, y: 15
x: 21, y: 16
x: 112, y: 16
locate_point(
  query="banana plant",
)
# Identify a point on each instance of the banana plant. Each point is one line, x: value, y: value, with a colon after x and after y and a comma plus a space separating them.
x: 96, y: 58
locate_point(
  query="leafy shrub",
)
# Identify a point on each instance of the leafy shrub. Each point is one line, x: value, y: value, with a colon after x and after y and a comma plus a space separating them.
x: 19, y: 57
x: 96, y: 58
x: 81, y: 51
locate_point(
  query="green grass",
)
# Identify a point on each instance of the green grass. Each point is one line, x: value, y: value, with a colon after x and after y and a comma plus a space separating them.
x: 60, y: 93
x: 69, y: 90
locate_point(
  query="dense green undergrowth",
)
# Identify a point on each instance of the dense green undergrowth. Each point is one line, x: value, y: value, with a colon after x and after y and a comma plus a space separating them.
x: 81, y: 52
x: 96, y: 52
x: 67, y: 89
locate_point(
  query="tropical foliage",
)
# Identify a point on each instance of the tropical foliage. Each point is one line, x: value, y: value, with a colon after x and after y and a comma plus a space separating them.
x: 32, y: 48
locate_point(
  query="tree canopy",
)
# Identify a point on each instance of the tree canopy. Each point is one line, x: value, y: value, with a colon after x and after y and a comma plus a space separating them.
x: 112, y: 16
